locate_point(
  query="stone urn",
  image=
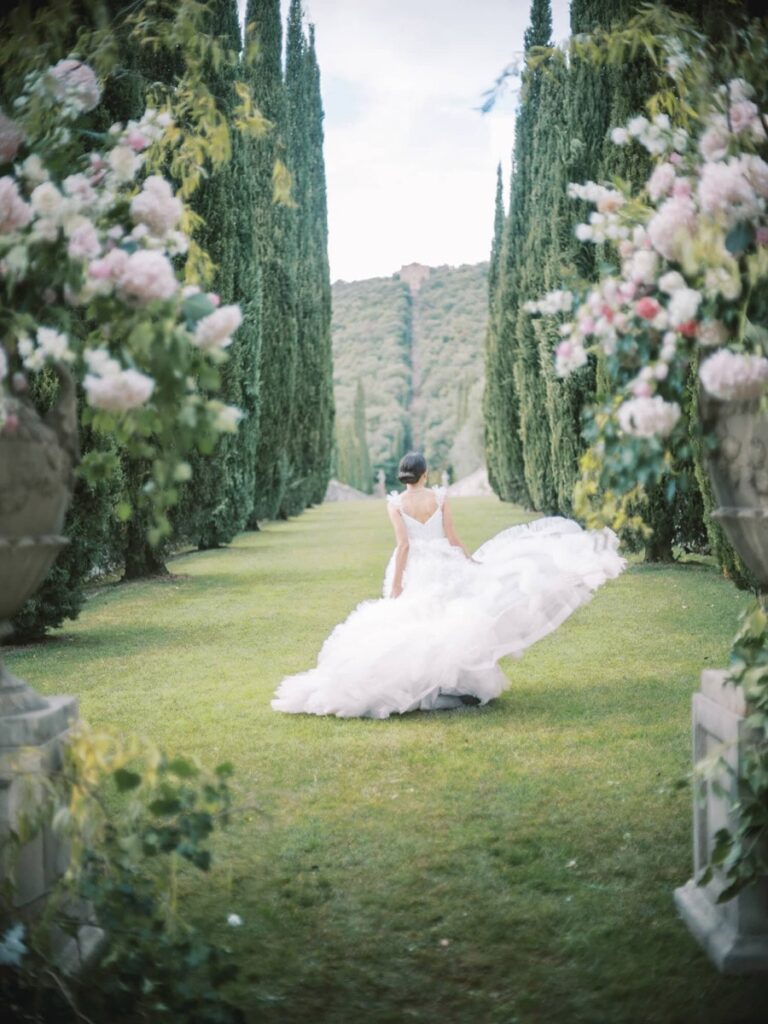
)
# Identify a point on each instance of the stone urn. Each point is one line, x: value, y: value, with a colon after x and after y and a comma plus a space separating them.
x: 37, y: 459
x: 735, y: 933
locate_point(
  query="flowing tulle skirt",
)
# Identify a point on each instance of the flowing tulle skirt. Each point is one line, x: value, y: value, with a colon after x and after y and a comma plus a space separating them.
x: 455, y: 618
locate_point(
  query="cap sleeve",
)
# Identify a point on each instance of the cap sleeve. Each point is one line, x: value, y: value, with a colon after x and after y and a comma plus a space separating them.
x: 394, y: 499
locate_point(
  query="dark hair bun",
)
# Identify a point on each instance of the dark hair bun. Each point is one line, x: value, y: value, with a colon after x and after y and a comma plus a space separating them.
x: 412, y: 467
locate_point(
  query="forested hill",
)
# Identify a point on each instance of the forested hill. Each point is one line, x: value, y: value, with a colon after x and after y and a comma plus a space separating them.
x: 408, y: 370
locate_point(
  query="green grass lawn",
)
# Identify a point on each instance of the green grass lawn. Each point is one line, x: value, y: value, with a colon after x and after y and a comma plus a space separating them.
x: 512, y: 863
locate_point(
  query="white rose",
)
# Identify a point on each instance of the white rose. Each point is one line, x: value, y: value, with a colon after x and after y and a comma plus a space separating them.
x: 124, y: 163
x: 683, y: 306
x: 47, y: 200
x: 671, y: 282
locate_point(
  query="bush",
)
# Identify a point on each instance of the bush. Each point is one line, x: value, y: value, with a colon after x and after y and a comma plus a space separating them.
x: 133, y: 818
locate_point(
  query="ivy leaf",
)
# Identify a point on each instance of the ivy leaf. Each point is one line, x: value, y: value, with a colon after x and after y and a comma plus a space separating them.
x: 165, y: 806
x: 195, y: 307
x: 125, y: 780
x: 183, y: 768
x: 739, y: 238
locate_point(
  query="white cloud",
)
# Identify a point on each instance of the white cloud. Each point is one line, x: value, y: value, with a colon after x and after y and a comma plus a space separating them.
x: 411, y: 163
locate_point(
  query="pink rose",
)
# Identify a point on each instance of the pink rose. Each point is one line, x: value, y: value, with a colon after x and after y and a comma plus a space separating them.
x: 647, y: 308
x: 136, y: 140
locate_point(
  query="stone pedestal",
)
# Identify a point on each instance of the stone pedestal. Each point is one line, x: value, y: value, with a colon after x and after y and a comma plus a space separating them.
x: 734, y: 934
x: 31, y: 750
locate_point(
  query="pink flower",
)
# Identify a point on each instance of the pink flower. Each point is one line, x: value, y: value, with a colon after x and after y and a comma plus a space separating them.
x: 216, y: 329
x: 569, y: 356
x: 742, y: 115
x: 147, y: 277
x: 118, y: 392
x: 661, y: 181
x: 214, y: 299
x: 688, y: 329
x: 713, y: 144
x: 136, y: 140
x: 725, y: 190
x: 74, y: 82
x: 671, y: 226
x: 756, y: 170
x: 84, y: 243
x: 110, y: 266
x: 10, y: 139
x: 730, y: 376
x: 647, y: 308
x: 681, y: 188
x: 156, y: 206
x: 14, y: 212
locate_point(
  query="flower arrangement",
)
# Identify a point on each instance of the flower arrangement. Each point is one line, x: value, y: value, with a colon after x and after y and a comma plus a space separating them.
x: 692, y: 259
x: 89, y: 250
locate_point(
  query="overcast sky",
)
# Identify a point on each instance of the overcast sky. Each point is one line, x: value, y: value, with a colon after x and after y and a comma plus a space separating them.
x: 411, y: 163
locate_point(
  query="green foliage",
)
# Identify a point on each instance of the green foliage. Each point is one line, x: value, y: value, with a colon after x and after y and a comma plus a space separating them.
x: 372, y: 342
x: 353, y: 461
x: 420, y: 357
x: 312, y: 411
x: 274, y: 226
x: 135, y: 820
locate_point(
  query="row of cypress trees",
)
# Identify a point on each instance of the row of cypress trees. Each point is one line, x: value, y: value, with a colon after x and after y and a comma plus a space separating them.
x: 270, y: 257
x: 533, y: 420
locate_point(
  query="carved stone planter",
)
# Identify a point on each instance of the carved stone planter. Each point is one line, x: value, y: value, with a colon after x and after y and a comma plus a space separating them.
x: 37, y: 459
x: 734, y: 934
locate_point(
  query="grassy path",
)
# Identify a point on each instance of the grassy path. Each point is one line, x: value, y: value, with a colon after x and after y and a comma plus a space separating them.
x: 513, y: 863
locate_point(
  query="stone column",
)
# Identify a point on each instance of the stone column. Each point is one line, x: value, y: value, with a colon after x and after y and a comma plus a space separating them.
x: 734, y: 934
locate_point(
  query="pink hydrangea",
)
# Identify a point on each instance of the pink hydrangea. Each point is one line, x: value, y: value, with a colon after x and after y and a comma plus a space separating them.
x: 661, y: 181
x: 216, y: 329
x: 713, y: 144
x: 648, y: 417
x: 110, y: 267
x: 725, y: 190
x: 569, y: 356
x: 75, y: 83
x: 118, y: 391
x: 731, y: 376
x: 147, y: 276
x: 84, y: 242
x: 671, y: 226
x: 10, y: 139
x: 742, y: 116
x: 156, y: 206
x: 14, y: 212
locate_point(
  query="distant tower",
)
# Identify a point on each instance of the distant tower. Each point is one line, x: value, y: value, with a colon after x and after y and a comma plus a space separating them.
x: 414, y: 274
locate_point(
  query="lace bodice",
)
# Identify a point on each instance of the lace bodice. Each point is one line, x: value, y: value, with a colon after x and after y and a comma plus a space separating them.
x: 417, y: 531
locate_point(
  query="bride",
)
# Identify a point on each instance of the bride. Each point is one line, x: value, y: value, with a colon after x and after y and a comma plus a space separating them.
x: 434, y: 640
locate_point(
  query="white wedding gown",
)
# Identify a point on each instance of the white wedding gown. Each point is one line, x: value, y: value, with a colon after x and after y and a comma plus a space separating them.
x: 454, y: 619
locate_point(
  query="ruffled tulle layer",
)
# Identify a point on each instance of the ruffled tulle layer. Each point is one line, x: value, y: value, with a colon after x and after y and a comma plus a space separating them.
x: 453, y: 621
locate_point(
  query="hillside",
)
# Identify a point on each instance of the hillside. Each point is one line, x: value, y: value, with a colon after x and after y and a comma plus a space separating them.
x: 415, y: 342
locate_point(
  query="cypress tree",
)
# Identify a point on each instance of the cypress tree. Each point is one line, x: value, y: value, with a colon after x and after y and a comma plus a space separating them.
x: 519, y: 441
x: 218, y: 502
x: 273, y: 225
x: 494, y: 385
x: 320, y: 445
